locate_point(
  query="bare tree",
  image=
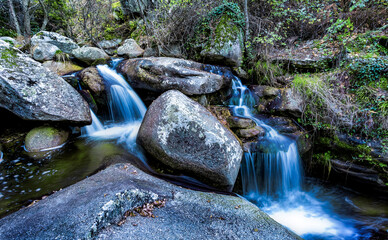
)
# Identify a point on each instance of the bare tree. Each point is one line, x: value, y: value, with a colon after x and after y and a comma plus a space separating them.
x: 26, y: 11
x: 13, y: 19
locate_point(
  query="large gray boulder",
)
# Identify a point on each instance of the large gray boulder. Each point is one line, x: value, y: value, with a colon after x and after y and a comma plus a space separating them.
x: 160, y: 74
x: 130, y: 49
x: 32, y: 92
x: 65, y: 44
x: 107, y: 206
x: 90, y: 55
x: 185, y: 136
x: 44, y: 51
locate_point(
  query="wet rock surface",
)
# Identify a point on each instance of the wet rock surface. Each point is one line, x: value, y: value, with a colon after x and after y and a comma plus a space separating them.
x: 119, y: 202
x: 162, y: 74
x: 187, y: 137
x: 32, y: 92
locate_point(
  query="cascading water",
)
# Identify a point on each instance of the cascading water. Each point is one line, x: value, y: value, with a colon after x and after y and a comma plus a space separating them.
x: 126, y: 111
x: 272, y: 177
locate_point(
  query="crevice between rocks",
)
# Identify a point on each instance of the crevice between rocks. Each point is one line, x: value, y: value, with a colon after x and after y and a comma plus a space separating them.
x: 113, y: 211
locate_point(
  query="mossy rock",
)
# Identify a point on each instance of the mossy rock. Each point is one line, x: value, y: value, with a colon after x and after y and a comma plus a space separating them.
x: 224, y: 44
x: 45, y: 137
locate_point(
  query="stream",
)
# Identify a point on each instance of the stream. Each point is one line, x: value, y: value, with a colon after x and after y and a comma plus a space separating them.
x: 271, y: 173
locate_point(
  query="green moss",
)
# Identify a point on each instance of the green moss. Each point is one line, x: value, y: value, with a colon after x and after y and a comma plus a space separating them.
x: 9, y: 55
x: 99, y: 62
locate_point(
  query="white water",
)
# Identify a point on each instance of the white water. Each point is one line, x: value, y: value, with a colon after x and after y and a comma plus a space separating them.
x: 126, y: 112
x: 272, y: 178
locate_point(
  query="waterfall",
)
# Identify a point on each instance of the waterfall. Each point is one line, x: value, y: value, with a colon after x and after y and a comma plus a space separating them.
x: 126, y: 111
x: 274, y: 167
x: 96, y: 126
x: 272, y: 176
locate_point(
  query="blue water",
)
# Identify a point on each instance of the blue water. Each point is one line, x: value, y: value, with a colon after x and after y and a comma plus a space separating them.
x: 273, y: 179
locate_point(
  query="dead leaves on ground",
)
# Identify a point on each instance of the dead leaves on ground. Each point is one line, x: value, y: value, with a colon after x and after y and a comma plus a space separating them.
x: 145, y: 211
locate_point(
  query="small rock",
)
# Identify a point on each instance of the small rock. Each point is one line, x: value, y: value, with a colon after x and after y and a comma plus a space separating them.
x: 251, y: 132
x: 42, y: 138
x: 130, y: 49
x: 238, y: 122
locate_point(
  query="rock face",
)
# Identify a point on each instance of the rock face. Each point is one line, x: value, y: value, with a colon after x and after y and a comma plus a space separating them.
x: 95, y: 209
x: 65, y: 44
x: 42, y: 138
x: 304, y: 57
x: 162, y: 74
x: 226, y: 46
x: 286, y: 101
x: 30, y: 91
x: 44, y: 51
x: 61, y: 68
x: 90, y: 55
x: 185, y: 136
x: 135, y: 8
x: 130, y: 49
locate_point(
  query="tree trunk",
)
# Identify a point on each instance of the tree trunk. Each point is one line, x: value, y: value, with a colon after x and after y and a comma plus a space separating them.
x: 246, y: 21
x: 13, y: 18
x: 45, y: 19
x: 27, y: 18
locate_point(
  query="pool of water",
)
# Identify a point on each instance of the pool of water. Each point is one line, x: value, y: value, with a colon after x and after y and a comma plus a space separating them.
x: 326, y: 211
x: 31, y: 176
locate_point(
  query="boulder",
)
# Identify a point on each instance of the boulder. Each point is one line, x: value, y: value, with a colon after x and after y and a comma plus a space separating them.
x: 92, y: 82
x: 109, y: 46
x: 130, y: 49
x: 44, y: 51
x: 162, y: 74
x: 9, y: 40
x: 136, y: 8
x: 90, y: 55
x: 292, y: 103
x: 62, y: 68
x: 44, y: 138
x: 92, y: 79
x: 107, y: 205
x: 184, y: 135
x: 285, y: 102
x: 305, y: 57
x: 32, y: 92
x: 225, y: 43
x: 65, y: 44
